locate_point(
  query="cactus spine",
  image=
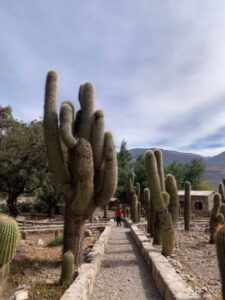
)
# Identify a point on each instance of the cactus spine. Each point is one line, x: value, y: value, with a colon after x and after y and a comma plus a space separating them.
x: 215, y: 217
x: 171, y: 188
x: 187, y: 205
x: 89, y: 177
x: 159, y: 205
x: 9, y: 234
x: 220, y: 251
x: 67, y: 268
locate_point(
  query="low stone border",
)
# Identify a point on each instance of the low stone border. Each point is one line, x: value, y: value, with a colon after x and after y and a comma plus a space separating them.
x: 169, y: 284
x: 82, y: 286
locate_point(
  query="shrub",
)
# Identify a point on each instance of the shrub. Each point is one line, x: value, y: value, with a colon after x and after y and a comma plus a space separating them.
x: 57, y: 241
x: 25, y: 207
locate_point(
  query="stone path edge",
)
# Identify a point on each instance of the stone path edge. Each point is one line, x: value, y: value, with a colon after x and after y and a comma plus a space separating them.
x: 169, y: 284
x: 82, y: 286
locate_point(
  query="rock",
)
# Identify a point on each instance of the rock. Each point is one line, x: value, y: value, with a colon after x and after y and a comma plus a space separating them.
x: 40, y: 242
x: 21, y: 295
x: 48, y: 281
x: 21, y: 243
x: 96, y: 218
x: 88, y: 233
x: 28, y: 272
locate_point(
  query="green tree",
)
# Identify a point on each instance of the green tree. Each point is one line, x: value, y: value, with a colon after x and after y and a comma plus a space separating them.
x: 23, y: 161
x: 177, y: 170
x: 140, y: 172
x: 124, y: 158
x: 192, y: 172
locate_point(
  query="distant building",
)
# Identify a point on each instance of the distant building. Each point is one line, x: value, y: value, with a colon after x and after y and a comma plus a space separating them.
x: 201, y: 202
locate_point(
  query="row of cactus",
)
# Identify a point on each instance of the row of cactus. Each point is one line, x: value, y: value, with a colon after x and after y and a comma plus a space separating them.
x: 163, y: 202
x: 134, y: 194
x: 81, y: 156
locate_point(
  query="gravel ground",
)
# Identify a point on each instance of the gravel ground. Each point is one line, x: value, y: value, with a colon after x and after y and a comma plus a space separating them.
x: 195, y: 259
x: 124, y: 273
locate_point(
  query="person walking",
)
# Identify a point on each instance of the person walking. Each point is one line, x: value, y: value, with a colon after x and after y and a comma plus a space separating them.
x: 118, y: 216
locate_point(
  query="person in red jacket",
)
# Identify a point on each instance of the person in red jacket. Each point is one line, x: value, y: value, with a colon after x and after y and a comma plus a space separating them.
x: 118, y: 216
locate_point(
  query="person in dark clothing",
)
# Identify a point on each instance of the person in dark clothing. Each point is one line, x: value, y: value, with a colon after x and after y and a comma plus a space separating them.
x: 118, y: 216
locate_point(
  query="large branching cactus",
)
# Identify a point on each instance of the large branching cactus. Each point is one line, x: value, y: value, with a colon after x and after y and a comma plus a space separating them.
x: 215, y: 217
x: 88, y: 175
x: 159, y: 204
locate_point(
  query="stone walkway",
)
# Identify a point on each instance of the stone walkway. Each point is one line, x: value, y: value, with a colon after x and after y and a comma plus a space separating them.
x: 124, y: 273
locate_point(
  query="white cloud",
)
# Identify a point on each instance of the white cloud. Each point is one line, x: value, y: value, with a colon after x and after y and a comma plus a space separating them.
x: 158, y: 67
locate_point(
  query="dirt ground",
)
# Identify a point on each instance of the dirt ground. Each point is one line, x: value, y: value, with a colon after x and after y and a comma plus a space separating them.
x: 195, y: 260
x: 37, y: 268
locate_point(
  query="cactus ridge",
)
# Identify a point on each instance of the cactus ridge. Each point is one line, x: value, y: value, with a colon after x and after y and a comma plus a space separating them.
x: 9, y: 234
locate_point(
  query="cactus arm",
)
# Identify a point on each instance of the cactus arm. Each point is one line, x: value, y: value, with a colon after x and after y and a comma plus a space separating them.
x: 220, y: 251
x: 97, y: 138
x: 87, y: 103
x: 159, y: 161
x: 171, y: 188
x: 154, y: 182
x: 110, y: 171
x: 66, y: 124
x: 51, y: 132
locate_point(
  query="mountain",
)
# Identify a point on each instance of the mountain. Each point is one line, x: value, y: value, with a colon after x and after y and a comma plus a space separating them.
x: 214, y: 165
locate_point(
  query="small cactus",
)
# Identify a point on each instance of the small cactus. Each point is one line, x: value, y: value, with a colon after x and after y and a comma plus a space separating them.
x: 187, y: 205
x: 67, y: 268
x: 9, y: 233
x: 171, y: 188
x: 220, y: 251
x: 215, y: 217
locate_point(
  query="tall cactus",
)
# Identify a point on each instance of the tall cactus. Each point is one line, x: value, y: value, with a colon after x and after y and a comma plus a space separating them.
x: 147, y: 199
x: 220, y: 251
x: 67, y: 268
x: 135, y: 209
x: 221, y: 191
x: 89, y: 176
x: 9, y: 234
x: 215, y: 217
x: 187, y: 205
x: 166, y: 224
x: 171, y: 188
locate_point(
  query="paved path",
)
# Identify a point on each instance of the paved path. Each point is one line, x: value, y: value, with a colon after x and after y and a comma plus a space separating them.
x: 124, y: 274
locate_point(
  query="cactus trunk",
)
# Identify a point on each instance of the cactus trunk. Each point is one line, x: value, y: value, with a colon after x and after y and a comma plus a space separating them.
x: 106, y: 211
x: 73, y: 234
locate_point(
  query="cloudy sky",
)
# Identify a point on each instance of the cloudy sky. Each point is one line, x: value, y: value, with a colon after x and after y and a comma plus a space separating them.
x: 158, y: 66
